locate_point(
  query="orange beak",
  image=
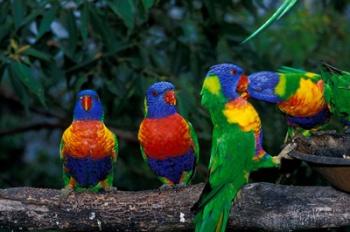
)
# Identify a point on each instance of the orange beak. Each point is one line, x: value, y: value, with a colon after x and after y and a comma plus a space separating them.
x: 243, y: 86
x: 169, y: 97
x: 86, y: 102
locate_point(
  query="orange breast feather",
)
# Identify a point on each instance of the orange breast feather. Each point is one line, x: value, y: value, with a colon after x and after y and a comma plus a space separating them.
x: 165, y: 137
x: 85, y: 139
x: 307, y: 101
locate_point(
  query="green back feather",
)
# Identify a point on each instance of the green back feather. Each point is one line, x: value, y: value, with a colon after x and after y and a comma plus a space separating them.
x: 337, y: 94
x: 195, y: 141
x: 230, y: 162
x: 291, y: 78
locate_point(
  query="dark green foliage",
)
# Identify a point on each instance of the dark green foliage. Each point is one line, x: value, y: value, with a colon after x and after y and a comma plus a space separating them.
x: 51, y: 49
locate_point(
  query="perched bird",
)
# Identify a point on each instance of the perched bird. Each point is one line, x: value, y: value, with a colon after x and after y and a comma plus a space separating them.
x: 337, y: 92
x: 168, y: 142
x: 236, y: 145
x: 88, y: 148
x: 298, y: 94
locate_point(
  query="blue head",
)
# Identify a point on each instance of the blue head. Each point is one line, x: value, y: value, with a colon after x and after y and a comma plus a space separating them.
x: 262, y: 86
x: 230, y: 77
x: 160, y: 100
x: 88, y: 106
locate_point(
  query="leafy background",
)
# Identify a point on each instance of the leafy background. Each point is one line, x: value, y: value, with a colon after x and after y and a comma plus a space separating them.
x: 49, y: 50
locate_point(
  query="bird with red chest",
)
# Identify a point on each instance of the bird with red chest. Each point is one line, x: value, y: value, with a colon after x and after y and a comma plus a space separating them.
x: 168, y: 142
x: 88, y: 148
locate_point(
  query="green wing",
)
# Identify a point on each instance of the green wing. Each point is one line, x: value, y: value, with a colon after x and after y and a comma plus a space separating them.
x: 282, y: 10
x: 331, y: 69
x: 61, y: 149
x: 230, y: 165
x: 195, y: 141
x: 116, y: 148
x: 143, y: 154
x: 286, y: 70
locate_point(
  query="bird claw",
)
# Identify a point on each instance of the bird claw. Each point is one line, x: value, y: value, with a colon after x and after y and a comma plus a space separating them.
x: 110, y: 189
x: 165, y: 187
x: 284, y: 153
x: 179, y: 186
x: 286, y: 150
x: 65, y: 193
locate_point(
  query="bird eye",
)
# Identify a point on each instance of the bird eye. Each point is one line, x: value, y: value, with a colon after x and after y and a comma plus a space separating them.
x: 154, y: 93
x: 233, y: 71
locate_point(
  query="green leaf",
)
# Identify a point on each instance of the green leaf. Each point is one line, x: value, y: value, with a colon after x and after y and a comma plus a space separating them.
x: 25, y: 75
x: 73, y: 32
x: 18, y: 11
x: 84, y: 21
x: 37, y: 54
x: 18, y: 88
x: 282, y: 10
x: 148, y: 4
x: 5, y: 30
x: 45, y: 24
x: 101, y: 26
x: 124, y: 9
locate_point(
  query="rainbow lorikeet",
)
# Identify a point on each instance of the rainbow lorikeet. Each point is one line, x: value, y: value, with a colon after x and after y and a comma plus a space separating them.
x: 88, y: 148
x: 168, y: 142
x: 236, y: 145
x: 337, y: 92
x: 298, y: 94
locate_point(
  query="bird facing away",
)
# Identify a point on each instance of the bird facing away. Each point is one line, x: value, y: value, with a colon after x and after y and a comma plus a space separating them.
x: 298, y: 94
x: 168, y: 142
x: 236, y: 145
x: 337, y: 92
x: 88, y: 148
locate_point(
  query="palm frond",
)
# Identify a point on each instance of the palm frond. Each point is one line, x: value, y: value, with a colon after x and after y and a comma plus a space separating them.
x: 280, y: 12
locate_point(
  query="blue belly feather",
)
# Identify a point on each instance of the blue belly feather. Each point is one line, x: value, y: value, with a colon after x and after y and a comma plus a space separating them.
x: 309, y: 122
x: 172, y: 168
x: 87, y: 171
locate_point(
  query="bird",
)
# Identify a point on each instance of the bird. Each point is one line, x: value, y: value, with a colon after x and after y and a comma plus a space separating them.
x: 236, y: 145
x: 168, y: 142
x: 88, y: 148
x: 337, y: 92
x: 297, y: 93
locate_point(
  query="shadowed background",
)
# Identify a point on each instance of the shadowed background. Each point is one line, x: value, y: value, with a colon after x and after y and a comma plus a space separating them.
x: 49, y: 50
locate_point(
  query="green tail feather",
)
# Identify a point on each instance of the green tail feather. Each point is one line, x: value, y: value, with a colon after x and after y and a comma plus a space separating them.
x: 280, y: 12
x: 286, y: 69
x: 215, y: 214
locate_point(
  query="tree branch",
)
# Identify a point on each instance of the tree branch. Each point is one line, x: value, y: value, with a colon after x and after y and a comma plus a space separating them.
x: 258, y: 206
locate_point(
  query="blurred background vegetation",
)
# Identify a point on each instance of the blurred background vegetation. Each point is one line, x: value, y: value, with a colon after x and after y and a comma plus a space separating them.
x: 49, y: 50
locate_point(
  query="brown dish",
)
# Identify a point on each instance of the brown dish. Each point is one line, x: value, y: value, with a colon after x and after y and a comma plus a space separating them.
x: 329, y: 154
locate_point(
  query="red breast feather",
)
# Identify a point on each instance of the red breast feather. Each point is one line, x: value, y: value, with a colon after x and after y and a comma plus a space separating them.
x: 85, y: 139
x: 165, y: 137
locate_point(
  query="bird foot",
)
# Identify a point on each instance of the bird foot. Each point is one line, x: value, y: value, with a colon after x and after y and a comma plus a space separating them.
x: 285, y: 151
x: 65, y: 193
x: 165, y: 187
x: 180, y: 186
x: 318, y: 133
x: 347, y: 130
x: 110, y: 189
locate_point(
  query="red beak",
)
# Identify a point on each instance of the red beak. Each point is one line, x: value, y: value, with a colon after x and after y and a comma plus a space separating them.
x: 170, y: 98
x: 242, y: 86
x: 86, y: 102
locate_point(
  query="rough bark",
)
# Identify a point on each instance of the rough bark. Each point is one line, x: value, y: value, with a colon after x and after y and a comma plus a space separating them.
x: 259, y: 206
